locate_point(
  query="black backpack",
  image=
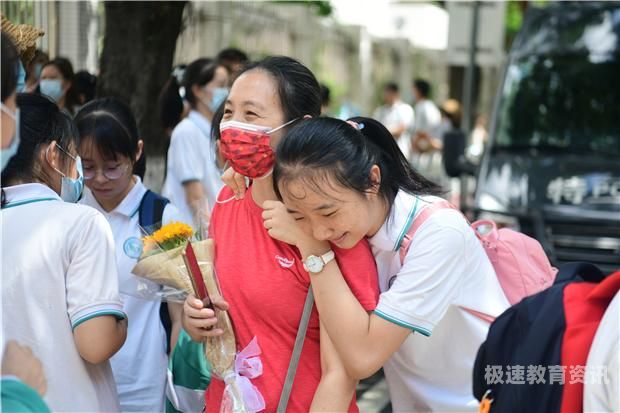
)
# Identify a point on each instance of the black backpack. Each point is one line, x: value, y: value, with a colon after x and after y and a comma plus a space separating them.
x: 151, y: 212
x: 530, y: 333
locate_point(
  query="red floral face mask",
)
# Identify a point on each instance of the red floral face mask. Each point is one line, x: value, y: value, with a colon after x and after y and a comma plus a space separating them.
x: 246, y: 147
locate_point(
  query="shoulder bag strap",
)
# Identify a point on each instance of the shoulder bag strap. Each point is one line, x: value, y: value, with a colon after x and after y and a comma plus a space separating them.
x: 299, y: 343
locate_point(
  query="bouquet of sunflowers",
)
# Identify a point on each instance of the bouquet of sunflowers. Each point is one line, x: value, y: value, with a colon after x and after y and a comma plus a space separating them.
x: 162, y: 261
x: 171, y: 258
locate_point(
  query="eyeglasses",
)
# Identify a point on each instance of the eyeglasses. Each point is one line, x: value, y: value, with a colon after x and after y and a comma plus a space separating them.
x: 109, y: 173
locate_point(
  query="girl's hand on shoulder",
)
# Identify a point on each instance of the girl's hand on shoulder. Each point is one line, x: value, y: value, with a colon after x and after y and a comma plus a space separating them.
x: 199, y: 321
x: 281, y: 225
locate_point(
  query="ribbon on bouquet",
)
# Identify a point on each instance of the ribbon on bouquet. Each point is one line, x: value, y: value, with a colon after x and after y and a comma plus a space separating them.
x: 248, y: 365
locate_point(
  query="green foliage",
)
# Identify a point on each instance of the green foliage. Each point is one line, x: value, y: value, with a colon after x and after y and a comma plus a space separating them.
x: 322, y: 8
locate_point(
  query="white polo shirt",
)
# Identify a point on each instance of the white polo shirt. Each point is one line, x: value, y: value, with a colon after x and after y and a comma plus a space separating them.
x: 394, y: 115
x: 140, y: 366
x: 444, y: 270
x: 191, y: 157
x: 427, y: 118
x: 58, y: 270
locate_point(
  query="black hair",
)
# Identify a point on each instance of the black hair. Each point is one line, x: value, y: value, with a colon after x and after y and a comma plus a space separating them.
x: 194, y: 76
x: 326, y: 147
x: 325, y: 94
x: 169, y: 101
x: 113, y: 129
x: 65, y: 68
x: 423, y: 87
x: 217, y: 119
x: 392, y: 87
x: 41, y: 122
x: 298, y: 89
x: 84, y: 83
x: 10, y: 64
x: 230, y: 56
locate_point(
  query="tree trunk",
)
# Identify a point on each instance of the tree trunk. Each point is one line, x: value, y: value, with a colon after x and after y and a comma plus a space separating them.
x: 139, y: 44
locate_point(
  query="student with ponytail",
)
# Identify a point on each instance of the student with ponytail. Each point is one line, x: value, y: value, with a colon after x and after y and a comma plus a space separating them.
x: 193, y: 175
x: 342, y: 182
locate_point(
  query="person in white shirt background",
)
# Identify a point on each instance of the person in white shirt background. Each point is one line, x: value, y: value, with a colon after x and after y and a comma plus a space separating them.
x: 193, y: 174
x: 397, y: 116
x: 110, y: 146
x: 427, y: 119
x: 59, y: 281
x: 343, y: 182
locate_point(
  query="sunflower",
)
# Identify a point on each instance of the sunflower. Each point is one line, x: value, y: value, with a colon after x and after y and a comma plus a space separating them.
x: 170, y: 236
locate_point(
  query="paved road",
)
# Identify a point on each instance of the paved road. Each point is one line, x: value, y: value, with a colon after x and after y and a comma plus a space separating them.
x: 372, y: 395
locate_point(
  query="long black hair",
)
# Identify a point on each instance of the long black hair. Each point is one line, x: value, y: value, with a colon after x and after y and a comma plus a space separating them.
x: 112, y: 127
x: 170, y: 102
x: 326, y: 147
x: 41, y: 122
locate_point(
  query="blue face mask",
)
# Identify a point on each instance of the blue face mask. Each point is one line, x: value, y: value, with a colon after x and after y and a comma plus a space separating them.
x: 218, y: 95
x: 21, y: 78
x: 38, y: 68
x: 52, y: 88
x: 71, y: 189
x: 11, y: 150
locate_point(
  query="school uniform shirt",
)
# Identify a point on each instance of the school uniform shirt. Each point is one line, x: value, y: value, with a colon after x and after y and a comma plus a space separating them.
x: 394, y: 115
x: 140, y: 366
x: 191, y: 157
x: 427, y: 118
x: 265, y: 284
x: 444, y: 271
x: 58, y: 271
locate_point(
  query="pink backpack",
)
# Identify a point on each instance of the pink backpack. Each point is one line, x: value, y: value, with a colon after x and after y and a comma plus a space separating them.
x: 521, y: 265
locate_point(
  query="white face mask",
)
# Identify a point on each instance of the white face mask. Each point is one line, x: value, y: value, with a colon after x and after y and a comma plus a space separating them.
x: 11, y: 150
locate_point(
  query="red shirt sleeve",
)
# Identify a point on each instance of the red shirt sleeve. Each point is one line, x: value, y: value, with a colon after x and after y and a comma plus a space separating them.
x: 360, y: 272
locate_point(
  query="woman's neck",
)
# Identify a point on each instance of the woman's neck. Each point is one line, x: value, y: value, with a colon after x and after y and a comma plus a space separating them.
x: 204, y: 111
x: 61, y: 102
x: 110, y: 204
x: 262, y: 190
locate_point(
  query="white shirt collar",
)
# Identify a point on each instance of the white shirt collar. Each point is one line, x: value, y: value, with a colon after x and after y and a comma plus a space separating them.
x: 29, y: 193
x: 129, y: 205
x: 201, y: 122
x: 391, y: 233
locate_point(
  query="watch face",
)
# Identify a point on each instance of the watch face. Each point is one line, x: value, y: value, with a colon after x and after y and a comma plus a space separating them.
x: 314, y: 263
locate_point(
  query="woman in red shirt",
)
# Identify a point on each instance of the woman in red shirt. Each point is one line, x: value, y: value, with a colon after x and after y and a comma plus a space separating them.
x: 263, y: 279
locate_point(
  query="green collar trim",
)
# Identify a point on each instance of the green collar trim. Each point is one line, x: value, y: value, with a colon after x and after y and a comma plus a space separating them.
x: 28, y: 201
x: 410, y: 217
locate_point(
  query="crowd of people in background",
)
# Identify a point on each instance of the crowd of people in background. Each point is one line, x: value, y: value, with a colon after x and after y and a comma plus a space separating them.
x: 301, y: 206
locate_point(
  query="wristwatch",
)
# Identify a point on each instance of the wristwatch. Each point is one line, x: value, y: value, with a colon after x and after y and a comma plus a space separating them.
x: 314, y: 264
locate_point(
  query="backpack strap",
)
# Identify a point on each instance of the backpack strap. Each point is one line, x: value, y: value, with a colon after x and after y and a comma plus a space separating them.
x: 417, y: 222
x: 299, y: 344
x: 151, y: 210
x: 415, y: 225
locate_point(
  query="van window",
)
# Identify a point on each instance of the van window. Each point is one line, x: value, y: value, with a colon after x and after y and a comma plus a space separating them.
x: 565, y: 96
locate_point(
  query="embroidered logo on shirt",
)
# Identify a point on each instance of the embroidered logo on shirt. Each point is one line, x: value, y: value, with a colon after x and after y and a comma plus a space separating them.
x: 133, y: 247
x: 285, y: 262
